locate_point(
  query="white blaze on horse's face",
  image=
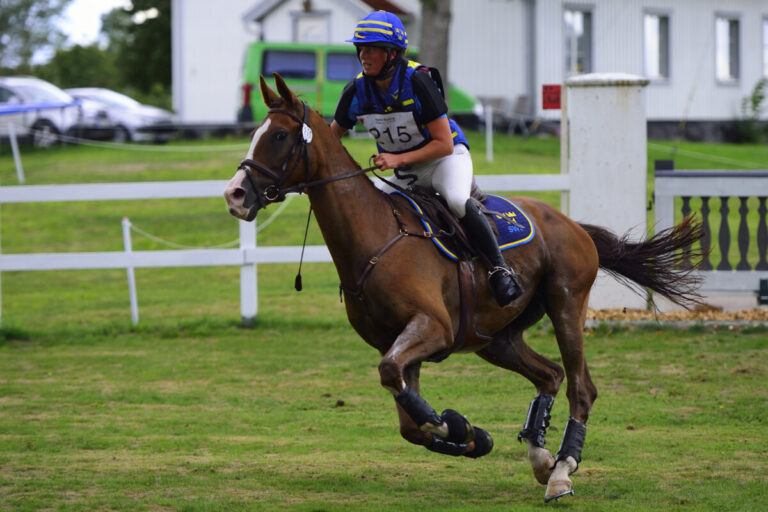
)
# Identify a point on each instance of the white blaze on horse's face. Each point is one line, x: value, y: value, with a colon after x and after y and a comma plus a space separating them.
x: 261, y: 130
x: 235, y: 200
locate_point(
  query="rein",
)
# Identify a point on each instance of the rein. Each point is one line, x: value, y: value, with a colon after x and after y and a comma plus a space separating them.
x: 275, y: 191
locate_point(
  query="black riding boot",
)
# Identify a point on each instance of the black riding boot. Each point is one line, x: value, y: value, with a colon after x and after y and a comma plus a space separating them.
x: 503, y: 282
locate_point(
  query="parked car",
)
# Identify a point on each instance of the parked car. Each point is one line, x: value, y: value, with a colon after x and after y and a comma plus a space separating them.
x: 41, y: 112
x: 133, y: 121
x: 319, y: 73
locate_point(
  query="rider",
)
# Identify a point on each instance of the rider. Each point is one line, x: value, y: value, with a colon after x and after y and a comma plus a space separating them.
x: 401, y: 106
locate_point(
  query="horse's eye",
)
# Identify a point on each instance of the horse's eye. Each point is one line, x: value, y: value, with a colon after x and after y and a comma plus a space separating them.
x: 280, y: 135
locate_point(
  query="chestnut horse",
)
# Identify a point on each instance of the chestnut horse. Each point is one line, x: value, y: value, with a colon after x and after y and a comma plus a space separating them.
x: 402, y: 298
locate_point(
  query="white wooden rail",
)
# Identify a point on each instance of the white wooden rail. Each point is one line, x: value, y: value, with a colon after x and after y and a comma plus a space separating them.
x: 247, y: 256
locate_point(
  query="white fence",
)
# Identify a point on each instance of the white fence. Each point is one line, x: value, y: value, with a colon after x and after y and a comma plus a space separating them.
x: 745, y: 278
x: 247, y: 256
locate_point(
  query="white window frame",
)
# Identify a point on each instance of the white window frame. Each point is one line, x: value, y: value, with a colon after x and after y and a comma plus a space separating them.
x: 724, y: 51
x: 572, y: 58
x: 661, y: 54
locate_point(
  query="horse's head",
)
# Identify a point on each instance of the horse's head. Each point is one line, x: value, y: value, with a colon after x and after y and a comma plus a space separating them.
x: 278, y: 160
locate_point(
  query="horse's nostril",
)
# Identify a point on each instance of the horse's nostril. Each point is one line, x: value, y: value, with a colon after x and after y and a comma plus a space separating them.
x: 239, y: 193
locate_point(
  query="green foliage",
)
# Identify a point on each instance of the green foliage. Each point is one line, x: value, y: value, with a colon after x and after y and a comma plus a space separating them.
x: 82, y: 66
x: 26, y: 26
x: 144, y: 55
x: 750, y: 127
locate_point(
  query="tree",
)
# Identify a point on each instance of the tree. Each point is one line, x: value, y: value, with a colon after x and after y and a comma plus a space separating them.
x: 435, y: 25
x: 27, y: 27
x: 81, y: 66
x: 144, y: 53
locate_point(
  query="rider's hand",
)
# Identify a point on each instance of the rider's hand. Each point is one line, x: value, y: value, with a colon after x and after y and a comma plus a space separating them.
x: 386, y: 161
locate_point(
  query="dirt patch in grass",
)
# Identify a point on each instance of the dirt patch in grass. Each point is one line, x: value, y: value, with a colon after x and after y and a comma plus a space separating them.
x: 705, y: 314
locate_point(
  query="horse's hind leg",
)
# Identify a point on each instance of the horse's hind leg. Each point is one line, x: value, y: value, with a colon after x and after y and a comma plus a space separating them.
x: 509, y: 351
x: 567, y: 310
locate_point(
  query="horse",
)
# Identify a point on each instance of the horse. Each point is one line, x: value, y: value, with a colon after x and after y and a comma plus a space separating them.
x: 402, y: 296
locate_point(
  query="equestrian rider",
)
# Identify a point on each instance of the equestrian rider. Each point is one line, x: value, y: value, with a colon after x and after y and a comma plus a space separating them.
x: 399, y: 103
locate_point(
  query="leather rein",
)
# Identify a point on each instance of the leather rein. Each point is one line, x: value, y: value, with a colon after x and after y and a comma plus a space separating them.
x: 275, y: 191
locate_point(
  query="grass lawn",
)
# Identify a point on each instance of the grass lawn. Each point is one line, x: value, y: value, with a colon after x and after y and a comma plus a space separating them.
x: 190, y: 411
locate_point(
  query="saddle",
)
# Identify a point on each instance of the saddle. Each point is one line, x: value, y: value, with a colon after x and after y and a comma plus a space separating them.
x: 448, y: 234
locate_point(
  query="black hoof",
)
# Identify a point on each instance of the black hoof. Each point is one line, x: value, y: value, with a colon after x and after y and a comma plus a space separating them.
x: 483, y: 444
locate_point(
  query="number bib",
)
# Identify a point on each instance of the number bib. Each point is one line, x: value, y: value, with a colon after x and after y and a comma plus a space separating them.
x: 395, y: 132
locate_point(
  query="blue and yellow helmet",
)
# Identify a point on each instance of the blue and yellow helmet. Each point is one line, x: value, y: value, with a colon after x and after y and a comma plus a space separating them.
x: 380, y: 28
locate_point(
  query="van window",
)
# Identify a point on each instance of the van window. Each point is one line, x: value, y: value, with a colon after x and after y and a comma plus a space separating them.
x: 342, y: 66
x: 290, y: 64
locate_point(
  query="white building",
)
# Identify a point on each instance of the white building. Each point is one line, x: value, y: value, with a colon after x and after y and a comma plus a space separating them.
x: 702, y: 56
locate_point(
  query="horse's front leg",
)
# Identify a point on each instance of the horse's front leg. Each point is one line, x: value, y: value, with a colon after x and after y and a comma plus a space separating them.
x: 449, y: 433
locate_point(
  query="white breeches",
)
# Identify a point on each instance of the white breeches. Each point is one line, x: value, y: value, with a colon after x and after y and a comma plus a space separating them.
x: 450, y: 176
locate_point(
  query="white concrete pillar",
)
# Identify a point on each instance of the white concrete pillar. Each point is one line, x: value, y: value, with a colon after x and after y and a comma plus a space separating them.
x: 607, y: 164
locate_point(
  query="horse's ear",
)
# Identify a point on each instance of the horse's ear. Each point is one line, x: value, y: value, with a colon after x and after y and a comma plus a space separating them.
x: 285, y: 92
x: 270, y: 98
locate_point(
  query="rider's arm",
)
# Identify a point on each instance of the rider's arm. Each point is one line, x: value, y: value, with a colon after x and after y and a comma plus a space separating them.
x: 441, y: 145
x: 337, y: 130
x: 433, y: 114
x: 343, y: 118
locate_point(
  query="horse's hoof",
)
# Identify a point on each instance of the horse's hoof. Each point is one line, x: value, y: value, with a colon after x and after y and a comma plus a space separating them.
x: 542, y: 462
x: 483, y: 444
x: 544, y: 471
x: 556, y: 489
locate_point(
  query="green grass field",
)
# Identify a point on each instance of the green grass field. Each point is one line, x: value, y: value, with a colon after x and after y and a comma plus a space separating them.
x: 190, y: 411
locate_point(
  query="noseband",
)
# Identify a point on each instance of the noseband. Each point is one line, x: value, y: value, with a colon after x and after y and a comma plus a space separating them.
x: 275, y: 190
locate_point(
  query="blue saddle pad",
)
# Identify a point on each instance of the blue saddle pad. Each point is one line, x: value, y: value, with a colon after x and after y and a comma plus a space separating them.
x: 514, y: 226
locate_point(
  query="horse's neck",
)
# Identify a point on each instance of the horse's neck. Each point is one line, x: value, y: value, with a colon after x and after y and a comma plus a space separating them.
x: 352, y: 214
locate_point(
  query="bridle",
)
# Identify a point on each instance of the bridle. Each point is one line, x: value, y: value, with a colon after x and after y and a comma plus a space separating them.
x: 275, y: 191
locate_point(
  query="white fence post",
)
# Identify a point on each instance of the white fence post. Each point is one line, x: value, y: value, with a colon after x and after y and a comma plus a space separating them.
x: 249, y: 300
x: 489, y: 133
x: 16, y: 153
x: 128, y: 247
x: 607, y: 157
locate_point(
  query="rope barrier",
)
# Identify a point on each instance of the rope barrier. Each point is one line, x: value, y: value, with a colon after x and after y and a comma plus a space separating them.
x: 148, y: 148
x: 703, y: 156
x: 233, y: 243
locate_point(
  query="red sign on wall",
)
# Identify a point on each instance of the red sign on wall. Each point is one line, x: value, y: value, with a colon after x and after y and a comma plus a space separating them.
x: 550, y: 97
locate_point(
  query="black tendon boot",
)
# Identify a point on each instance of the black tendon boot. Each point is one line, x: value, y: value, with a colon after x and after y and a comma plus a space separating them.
x: 503, y: 282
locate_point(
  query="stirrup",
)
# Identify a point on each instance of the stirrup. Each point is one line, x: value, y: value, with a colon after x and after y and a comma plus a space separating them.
x: 504, y: 270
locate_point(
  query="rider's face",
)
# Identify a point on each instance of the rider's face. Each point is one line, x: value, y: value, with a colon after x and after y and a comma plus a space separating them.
x: 373, y: 59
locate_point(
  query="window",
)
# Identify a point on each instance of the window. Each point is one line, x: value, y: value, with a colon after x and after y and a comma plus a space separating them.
x: 656, y: 34
x: 290, y: 64
x: 765, y: 47
x: 578, y: 41
x: 727, y: 48
x: 342, y: 66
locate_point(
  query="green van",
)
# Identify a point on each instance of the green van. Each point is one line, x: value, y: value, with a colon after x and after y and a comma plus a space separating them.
x: 318, y: 74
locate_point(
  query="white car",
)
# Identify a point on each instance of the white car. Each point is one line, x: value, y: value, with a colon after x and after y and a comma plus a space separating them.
x: 132, y: 120
x: 38, y: 110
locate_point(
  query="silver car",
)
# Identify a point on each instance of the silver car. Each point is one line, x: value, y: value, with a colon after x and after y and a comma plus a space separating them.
x: 133, y: 121
x: 36, y: 110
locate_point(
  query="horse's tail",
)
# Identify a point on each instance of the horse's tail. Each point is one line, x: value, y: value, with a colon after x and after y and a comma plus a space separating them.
x: 664, y: 263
